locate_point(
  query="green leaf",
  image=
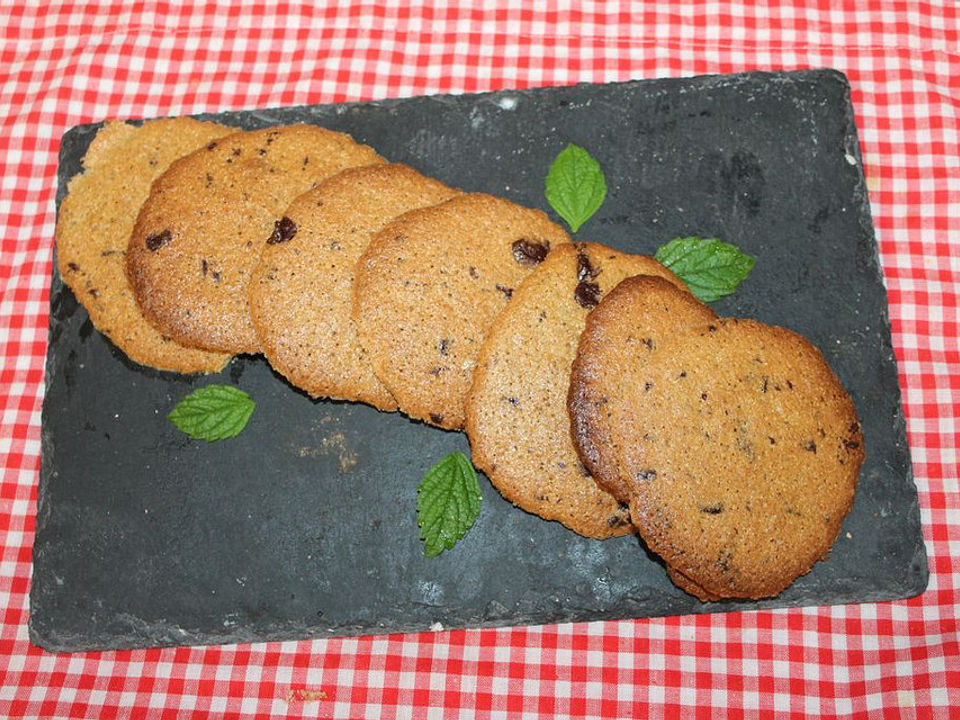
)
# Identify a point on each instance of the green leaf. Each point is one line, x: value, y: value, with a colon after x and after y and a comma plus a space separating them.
x: 448, y: 502
x: 575, y: 186
x: 710, y: 267
x: 214, y: 412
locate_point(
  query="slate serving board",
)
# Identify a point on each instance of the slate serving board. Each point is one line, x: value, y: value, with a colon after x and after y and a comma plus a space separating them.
x: 305, y: 525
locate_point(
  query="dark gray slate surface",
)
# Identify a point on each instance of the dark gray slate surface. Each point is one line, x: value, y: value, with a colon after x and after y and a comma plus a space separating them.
x: 305, y: 525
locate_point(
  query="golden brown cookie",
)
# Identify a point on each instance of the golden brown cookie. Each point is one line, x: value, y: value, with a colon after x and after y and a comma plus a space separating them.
x: 516, y: 410
x: 302, y: 289
x: 200, y: 232
x: 739, y: 445
x: 429, y: 287
x: 94, y: 225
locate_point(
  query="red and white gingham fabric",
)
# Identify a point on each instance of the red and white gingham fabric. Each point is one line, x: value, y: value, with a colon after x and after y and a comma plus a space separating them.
x: 80, y: 62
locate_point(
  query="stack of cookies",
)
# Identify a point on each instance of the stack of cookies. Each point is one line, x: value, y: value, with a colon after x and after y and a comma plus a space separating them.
x: 596, y: 391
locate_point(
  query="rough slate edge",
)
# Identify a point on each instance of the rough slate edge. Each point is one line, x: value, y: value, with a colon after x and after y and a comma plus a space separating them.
x: 915, y: 575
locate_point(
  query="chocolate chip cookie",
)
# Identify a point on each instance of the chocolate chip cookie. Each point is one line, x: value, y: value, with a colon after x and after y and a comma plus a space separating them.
x: 430, y: 285
x: 739, y: 447
x: 199, y: 234
x: 95, y: 222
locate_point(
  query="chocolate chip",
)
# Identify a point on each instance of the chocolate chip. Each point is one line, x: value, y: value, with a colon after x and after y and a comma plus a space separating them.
x: 530, y: 252
x: 647, y: 386
x: 73, y: 267
x: 648, y: 342
x: 436, y: 417
x: 512, y: 400
x: 851, y: 444
x: 236, y: 152
x: 646, y: 475
x: 443, y: 346
x: 508, y: 292
x: 204, y: 267
x: 712, y: 509
x: 212, y: 146
x: 585, y: 269
x: 473, y: 272
x: 283, y: 231
x: 587, y: 293
x: 616, y: 521
x: 811, y: 447
x: 216, y: 276
x: 157, y: 241
x: 94, y: 293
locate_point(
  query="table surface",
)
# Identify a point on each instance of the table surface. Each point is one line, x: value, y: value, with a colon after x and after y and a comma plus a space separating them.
x: 83, y: 62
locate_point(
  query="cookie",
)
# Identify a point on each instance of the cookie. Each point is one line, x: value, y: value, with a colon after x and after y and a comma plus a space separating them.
x: 301, y: 291
x: 430, y: 285
x: 739, y: 445
x: 199, y: 234
x: 666, y: 312
x: 94, y: 225
x: 516, y: 409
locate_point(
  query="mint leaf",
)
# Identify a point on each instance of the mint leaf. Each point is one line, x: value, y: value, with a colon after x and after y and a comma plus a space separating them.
x: 710, y: 267
x: 575, y: 186
x: 448, y: 502
x: 214, y: 412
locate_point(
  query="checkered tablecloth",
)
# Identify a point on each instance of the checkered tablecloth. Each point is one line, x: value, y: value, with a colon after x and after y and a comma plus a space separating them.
x: 78, y: 62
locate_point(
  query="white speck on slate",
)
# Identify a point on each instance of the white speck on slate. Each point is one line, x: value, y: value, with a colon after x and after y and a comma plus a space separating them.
x: 851, y: 159
x: 436, y: 626
x: 431, y: 591
x: 507, y: 103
